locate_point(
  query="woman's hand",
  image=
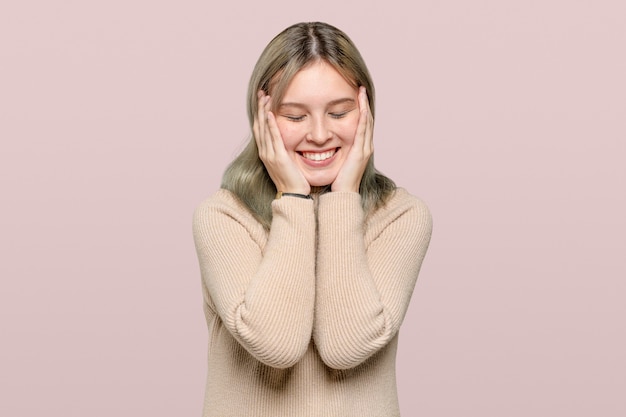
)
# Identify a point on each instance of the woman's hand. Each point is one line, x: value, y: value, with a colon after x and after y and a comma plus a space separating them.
x: 281, y: 167
x: 350, y: 174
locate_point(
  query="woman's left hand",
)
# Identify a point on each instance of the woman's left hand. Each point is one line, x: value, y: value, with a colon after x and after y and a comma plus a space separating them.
x: 350, y: 174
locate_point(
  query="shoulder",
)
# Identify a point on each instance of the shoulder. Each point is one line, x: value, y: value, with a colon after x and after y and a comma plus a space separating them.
x: 221, y: 199
x: 403, y: 207
x: 221, y: 211
x: 402, y: 202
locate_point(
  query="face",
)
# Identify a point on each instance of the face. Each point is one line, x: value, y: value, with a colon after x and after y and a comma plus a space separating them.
x: 317, y: 119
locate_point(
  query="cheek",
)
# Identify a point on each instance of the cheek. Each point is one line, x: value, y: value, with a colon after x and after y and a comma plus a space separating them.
x: 291, y: 135
x: 346, y: 131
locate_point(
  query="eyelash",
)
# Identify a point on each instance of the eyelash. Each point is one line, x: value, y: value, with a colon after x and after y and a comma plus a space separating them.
x: 338, y: 115
x: 301, y: 118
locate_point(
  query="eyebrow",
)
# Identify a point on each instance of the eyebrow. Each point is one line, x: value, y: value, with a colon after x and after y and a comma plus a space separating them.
x: 331, y: 103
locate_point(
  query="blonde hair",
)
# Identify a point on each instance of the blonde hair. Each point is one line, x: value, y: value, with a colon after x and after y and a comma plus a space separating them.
x: 289, y: 52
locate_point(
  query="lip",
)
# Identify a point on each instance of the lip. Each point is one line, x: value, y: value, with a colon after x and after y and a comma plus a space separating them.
x: 319, y: 164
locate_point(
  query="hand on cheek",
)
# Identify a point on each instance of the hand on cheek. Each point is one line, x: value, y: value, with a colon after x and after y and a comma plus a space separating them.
x: 350, y: 174
x: 286, y: 176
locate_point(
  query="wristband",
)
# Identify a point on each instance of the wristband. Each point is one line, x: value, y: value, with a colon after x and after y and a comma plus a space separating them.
x: 281, y: 194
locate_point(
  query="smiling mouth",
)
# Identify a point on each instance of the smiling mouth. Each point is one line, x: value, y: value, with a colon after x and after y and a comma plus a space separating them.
x: 319, y: 156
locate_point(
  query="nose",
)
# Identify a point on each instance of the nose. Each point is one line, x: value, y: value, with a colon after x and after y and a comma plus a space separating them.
x: 319, y: 131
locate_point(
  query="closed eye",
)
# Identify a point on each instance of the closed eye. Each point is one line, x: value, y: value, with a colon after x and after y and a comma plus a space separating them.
x: 339, y: 115
x: 293, y: 118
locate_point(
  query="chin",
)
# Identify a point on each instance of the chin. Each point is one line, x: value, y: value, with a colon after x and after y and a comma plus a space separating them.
x: 321, y: 177
x: 320, y: 182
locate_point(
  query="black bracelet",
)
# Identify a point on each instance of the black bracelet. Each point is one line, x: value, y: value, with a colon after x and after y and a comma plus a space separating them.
x: 280, y: 194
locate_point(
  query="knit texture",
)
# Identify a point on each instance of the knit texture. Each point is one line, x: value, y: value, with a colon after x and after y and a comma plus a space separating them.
x: 303, y: 320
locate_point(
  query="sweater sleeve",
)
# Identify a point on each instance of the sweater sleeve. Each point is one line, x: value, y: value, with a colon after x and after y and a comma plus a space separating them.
x: 263, y: 293
x: 365, y: 278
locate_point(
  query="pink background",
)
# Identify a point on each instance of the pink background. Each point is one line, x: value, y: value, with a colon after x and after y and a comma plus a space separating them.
x: 508, y: 117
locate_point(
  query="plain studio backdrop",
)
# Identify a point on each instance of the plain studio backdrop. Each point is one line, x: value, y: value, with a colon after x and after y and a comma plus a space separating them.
x: 507, y: 117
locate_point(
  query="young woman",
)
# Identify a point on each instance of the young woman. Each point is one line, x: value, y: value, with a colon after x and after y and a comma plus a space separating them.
x: 308, y: 255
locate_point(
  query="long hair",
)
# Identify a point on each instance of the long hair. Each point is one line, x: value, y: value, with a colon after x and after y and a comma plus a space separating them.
x: 289, y: 52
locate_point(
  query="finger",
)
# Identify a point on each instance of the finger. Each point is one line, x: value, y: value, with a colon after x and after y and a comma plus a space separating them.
x: 359, y: 139
x: 264, y: 138
x: 255, y: 132
x: 274, y: 131
x: 267, y: 106
x: 368, y: 142
x: 258, y: 121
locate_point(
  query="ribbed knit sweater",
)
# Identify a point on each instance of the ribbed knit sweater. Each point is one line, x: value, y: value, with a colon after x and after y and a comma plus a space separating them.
x: 303, y: 320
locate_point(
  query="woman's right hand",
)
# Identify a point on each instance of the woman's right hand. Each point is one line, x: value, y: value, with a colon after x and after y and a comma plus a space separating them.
x: 281, y: 167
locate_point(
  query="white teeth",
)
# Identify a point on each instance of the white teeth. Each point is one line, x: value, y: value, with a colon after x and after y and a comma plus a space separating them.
x: 318, y: 156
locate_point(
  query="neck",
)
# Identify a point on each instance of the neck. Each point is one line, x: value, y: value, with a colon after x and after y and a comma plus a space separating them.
x: 320, y: 189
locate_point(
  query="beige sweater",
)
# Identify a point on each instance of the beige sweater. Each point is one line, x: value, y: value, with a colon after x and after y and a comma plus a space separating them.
x: 303, y: 320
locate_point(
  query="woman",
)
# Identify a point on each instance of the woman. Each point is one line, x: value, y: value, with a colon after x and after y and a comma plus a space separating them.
x: 308, y: 255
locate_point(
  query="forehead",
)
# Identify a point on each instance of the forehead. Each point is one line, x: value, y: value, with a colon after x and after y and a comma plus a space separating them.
x: 316, y: 82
